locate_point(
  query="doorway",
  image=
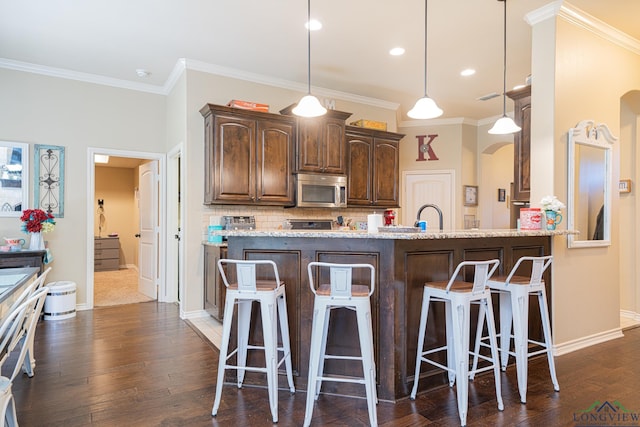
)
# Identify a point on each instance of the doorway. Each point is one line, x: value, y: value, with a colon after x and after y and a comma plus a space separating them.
x: 113, y: 219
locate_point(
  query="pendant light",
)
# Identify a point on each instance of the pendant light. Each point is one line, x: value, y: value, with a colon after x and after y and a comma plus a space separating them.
x: 425, y: 107
x: 309, y: 106
x: 504, y: 125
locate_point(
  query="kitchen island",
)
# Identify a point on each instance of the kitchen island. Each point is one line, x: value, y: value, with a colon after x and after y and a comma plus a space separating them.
x: 403, y: 262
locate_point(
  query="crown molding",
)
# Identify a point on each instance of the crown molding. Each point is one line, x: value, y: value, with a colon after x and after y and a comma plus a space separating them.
x: 79, y: 76
x: 582, y: 19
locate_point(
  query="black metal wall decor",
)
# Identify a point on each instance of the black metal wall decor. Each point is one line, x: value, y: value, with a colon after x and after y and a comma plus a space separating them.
x: 48, y: 193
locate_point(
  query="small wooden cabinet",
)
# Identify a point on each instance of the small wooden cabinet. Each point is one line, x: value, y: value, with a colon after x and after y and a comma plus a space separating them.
x: 522, y: 143
x: 214, y: 289
x: 320, y: 142
x: 106, y: 253
x: 373, y: 158
x: 248, y: 157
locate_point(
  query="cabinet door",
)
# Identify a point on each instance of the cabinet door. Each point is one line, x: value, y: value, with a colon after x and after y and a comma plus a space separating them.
x: 234, y: 159
x: 521, y: 143
x: 334, y: 147
x: 309, y: 145
x: 274, y: 178
x: 386, y: 164
x: 360, y: 153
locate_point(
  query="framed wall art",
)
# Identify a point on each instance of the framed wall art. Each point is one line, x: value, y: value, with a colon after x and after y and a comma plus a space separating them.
x: 14, y: 178
x: 471, y: 195
x: 48, y: 193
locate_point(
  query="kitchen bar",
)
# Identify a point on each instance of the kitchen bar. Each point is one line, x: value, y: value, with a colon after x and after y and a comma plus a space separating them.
x: 403, y: 263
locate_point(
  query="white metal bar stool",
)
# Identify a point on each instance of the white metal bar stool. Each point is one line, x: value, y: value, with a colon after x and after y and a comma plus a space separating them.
x: 514, y: 293
x: 458, y: 296
x: 270, y: 294
x: 341, y: 293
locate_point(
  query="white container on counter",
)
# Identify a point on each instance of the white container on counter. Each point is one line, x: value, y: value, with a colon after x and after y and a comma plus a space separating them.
x: 374, y: 221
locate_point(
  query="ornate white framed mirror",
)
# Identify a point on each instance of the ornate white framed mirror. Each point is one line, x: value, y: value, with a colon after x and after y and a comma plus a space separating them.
x: 590, y: 181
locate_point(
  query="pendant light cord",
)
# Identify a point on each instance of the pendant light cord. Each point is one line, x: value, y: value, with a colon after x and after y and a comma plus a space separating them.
x: 309, y: 47
x: 504, y: 61
x: 425, y: 48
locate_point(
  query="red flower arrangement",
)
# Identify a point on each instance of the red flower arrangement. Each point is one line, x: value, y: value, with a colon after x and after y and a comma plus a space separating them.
x: 36, y: 221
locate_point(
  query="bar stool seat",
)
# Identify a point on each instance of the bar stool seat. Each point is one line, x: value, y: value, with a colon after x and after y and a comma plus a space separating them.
x: 341, y: 293
x: 270, y: 294
x: 458, y: 295
x: 514, y: 291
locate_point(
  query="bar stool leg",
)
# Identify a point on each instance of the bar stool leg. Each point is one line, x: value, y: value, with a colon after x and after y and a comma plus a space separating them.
x: 546, y: 326
x: 244, y: 324
x: 494, y: 349
x: 323, y: 349
x: 224, y: 348
x: 459, y: 318
x: 270, y: 335
x: 506, y: 317
x: 286, y: 343
x: 363, y: 315
x: 520, y: 309
x: 482, y: 314
x: 318, y: 337
x: 421, y: 333
x: 451, y: 348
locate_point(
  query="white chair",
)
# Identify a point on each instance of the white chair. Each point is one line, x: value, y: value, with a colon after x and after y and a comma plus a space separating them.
x: 17, y: 319
x: 30, y: 360
x: 270, y: 294
x: 29, y: 290
x: 514, y: 293
x: 458, y: 296
x: 341, y: 293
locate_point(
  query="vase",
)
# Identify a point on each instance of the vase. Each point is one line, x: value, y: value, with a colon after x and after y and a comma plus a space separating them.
x: 553, y: 218
x: 36, y: 243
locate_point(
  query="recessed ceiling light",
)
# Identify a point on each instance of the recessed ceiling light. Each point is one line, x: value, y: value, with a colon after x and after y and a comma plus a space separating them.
x: 313, y: 25
x: 467, y: 72
x: 396, y: 51
x: 142, y: 72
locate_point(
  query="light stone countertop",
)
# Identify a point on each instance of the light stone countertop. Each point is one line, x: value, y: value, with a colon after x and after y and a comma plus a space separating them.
x: 363, y: 234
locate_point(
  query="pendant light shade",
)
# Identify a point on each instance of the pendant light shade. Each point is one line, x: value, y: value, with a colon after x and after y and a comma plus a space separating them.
x: 309, y: 106
x: 425, y: 107
x: 504, y: 125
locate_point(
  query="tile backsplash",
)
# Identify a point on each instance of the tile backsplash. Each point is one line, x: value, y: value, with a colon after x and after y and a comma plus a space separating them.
x: 272, y: 217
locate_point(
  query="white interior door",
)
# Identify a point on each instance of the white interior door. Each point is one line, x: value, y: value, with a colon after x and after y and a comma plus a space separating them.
x: 149, y: 229
x: 435, y: 187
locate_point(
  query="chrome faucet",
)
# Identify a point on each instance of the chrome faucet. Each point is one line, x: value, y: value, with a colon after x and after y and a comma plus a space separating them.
x: 429, y: 205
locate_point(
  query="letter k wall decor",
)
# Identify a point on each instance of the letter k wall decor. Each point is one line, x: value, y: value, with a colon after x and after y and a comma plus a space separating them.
x: 48, y: 175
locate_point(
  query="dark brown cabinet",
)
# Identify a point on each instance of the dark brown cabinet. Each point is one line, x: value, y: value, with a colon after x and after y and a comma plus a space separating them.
x: 248, y: 157
x: 320, y: 142
x: 214, y: 289
x: 373, y: 158
x: 522, y: 143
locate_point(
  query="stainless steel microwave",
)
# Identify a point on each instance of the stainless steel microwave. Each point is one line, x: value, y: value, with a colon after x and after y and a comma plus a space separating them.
x: 321, y: 191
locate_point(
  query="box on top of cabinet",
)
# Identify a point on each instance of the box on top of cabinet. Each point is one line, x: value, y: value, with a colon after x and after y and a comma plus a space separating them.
x: 370, y: 124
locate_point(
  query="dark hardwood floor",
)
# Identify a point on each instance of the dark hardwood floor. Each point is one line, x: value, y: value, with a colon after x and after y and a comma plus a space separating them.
x: 140, y: 365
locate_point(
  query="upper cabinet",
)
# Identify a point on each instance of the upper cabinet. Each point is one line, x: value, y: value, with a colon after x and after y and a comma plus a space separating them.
x: 522, y: 143
x: 373, y: 167
x: 320, y: 142
x: 248, y: 157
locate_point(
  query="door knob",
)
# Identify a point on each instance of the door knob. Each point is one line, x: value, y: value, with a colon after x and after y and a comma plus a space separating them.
x: 137, y: 235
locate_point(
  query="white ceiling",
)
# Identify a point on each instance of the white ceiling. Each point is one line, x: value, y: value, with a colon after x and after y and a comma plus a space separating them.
x: 113, y: 38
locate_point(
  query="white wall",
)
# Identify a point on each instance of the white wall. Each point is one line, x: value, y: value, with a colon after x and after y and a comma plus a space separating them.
x: 37, y: 109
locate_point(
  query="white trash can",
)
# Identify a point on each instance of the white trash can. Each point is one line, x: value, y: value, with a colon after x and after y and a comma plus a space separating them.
x: 60, y: 302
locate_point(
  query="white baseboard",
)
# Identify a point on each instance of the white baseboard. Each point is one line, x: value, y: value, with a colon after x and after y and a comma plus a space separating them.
x: 588, y: 341
x: 628, y: 314
x: 193, y: 314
